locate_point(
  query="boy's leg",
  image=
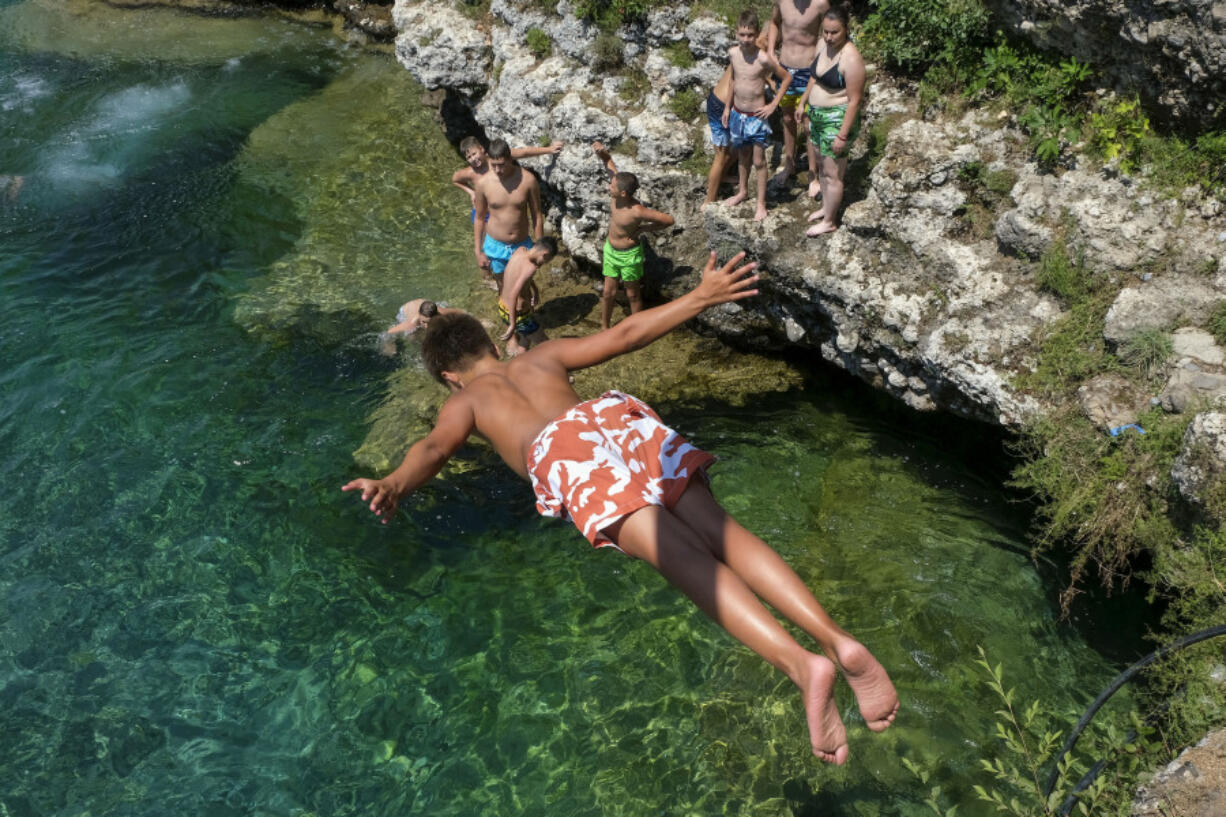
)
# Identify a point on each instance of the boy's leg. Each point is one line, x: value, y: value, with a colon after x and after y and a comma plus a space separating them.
x: 607, y: 296
x: 717, y: 173
x: 766, y: 573
x: 634, y: 294
x: 789, y: 146
x: 661, y: 539
x: 759, y: 169
x: 744, y: 157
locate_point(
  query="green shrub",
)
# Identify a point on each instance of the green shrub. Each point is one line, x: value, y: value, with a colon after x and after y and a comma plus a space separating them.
x: 609, y: 14
x: 679, y: 54
x: 1023, y: 751
x: 607, y: 52
x: 539, y: 43
x: 1217, y: 323
x: 1147, y: 351
x: 913, y: 35
x: 1119, y: 130
x: 1178, y: 164
x: 684, y: 104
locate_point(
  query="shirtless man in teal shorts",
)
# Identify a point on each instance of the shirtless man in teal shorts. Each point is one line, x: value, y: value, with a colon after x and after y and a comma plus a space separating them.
x: 623, y: 249
x: 506, y: 195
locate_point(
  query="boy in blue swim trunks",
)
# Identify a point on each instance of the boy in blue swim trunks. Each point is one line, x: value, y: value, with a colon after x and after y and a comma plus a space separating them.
x: 747, y: 111
x: 504, y: 198
x: 623, y: 249
x: 520, y: 296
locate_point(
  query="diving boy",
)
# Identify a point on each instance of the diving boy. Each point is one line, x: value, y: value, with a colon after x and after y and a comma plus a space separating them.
x: 745, y: 114
x: 416, y: 314
x: 628, y: 481
x: 505, y: 197
x: 520, y: 295
x: 623, y: 249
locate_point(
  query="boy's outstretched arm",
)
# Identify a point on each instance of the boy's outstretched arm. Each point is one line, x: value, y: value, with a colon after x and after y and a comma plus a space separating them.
x: 718, y: 286
x: 528, y: 153
x: 425, y: 459
x: 651, y: 220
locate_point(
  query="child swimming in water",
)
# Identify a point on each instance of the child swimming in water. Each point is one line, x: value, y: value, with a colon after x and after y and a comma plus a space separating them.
x: 628, y: 481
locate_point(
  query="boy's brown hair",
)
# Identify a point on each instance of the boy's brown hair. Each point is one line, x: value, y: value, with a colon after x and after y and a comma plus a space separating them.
x: 627, y: 183
x: 499, y: 149
x: 749, y: 19
x: 468, y: 143
x: 452, y: 342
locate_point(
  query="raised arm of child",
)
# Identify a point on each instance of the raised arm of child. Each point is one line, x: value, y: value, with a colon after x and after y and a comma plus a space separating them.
x: 528, y: 153
x: 603, y: 153
x: 719, y: 285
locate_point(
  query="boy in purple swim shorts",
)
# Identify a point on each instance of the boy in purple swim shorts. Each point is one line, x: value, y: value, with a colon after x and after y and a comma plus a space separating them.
x: 746, y: 114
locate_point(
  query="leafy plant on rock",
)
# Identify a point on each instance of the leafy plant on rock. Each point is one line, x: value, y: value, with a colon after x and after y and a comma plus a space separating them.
x: 539, y: 43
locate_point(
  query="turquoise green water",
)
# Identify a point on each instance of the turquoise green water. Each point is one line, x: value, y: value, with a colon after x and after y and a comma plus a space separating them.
x: 193, y: 619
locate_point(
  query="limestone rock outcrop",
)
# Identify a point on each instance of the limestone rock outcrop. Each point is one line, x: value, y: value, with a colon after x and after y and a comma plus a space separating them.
x: 1171, y: 52
x: 928, y: 291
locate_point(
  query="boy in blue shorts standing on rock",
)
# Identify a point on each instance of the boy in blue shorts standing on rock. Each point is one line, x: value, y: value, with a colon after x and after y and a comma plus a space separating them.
x: 746, y: 113
x: 511, y: 198
x: 623, y: 249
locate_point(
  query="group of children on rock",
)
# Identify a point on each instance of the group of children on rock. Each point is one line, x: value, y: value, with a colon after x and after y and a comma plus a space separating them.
x: 819, y: 76
x: 609, y: 464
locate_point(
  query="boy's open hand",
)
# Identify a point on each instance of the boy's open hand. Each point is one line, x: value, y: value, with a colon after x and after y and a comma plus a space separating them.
x: 383, y: 500
x: 727, y: 283
x: 600, y: 150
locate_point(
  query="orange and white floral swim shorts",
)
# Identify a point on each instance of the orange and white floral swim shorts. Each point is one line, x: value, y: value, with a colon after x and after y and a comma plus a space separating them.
x: 606, y: 458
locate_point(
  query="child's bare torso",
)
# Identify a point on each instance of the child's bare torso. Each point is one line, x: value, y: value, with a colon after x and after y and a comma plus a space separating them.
x: 625, y: 225
x: 749, y: 75
x: 513, y: 403
x: 508, y: 205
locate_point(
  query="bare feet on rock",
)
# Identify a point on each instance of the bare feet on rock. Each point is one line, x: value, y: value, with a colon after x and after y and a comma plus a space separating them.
x: 816, y: 215
x: 820, y: 228
x: 826, y: 733
x: 759, y: 214
x: 875, y: 693
x: 733, y: 201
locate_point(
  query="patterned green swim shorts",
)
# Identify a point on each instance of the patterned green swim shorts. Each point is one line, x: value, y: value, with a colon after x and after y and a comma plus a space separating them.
x: 824, y: 125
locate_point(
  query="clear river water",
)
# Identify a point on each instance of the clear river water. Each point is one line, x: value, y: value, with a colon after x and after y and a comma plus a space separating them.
x: 195, y: 621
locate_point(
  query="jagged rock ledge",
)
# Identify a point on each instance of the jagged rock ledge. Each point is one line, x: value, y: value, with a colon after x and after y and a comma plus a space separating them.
x: 929, y: 290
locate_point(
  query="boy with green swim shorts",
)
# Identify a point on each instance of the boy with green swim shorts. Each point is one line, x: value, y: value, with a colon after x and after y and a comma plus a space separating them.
x: 623, y: 249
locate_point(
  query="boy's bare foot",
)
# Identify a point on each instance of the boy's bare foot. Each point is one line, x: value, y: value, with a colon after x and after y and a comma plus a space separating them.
x: 733, y: 201
x: 760, y: 213
x: 817, y: 215
x: 868, y: 679
x: 820, y: 228
x: 826, y: 733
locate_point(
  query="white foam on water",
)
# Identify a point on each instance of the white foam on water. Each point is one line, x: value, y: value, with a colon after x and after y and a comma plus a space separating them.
x: 114, y: 135
x: 18, y: 91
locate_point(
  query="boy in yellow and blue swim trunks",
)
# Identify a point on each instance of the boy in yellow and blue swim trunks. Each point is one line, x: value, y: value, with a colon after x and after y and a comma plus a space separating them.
x: 623, y: 249
x: 520, y: 295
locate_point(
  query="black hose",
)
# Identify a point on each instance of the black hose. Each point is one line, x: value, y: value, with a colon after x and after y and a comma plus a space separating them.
x: 1123, y: 678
